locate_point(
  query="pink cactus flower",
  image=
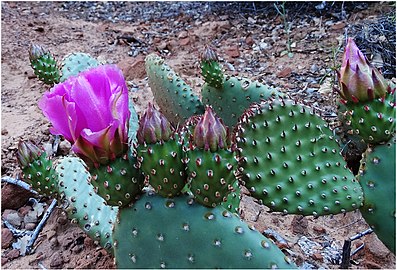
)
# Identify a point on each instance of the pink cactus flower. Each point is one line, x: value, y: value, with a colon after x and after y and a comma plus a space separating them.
x: 91, y: 111
x: 358, y: 79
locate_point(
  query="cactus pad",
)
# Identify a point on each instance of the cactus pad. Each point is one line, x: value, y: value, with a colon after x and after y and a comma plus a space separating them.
x: 378, y: 179
x: 74, y: 63
x: 178, y: 233
x: 235, y: 96
x: 83, y: 205
x: 162, y: 165
x: 118, y: 182
x: 290, y: 161
x: 174, y: 97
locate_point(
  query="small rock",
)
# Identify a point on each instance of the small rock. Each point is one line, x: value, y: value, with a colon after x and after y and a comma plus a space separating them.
x: 314, y: 68
x: 4, y: 131
x: 317, y: 257
x: 56, y: 260
x: 286, y: 72
x: 183, y: 34
x: 184, y: 41
x: 31, y: 217
x: 7, y: 238
x: 14, y: 197
x: 51, y: 234
x: 54, y: 242
x: 24, y: 210
x: 4, y: 260
x: 319, y: 229
x: 64, y: 147
x: 30, y: 226
x: 133, y: 68
x: 77, y: 249
x: 66, y: 242
x: 13, y: 254
x: 249, y: 41
x: 233, y: 52
x: 62, y: 220
x: 338, y: 26
x: 371, y: 265
x: 299, y: 224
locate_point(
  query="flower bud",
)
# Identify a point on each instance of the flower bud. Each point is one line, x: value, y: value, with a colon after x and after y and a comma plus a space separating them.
x: 27, y: 153
x: 358, y: 79
x: 153, y: 126
x: 210, y: 133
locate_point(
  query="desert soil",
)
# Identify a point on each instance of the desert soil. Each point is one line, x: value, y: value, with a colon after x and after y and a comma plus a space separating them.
x: 251, y: 40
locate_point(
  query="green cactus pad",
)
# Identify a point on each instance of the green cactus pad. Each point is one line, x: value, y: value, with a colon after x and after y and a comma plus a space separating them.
x: 290, y: 161
x: 211, y: 175
x: 378, y: 179
x: 236, y: 95
x: 162, y: 165
x: 174, y: 97
x: 133, y: 123
x: 375, y: 120
x: 41, y: 175
x: 46, y: 67
x: 118, y: 182
x: 74, y: 63
x: 157, y: 232
x: 83, y: 205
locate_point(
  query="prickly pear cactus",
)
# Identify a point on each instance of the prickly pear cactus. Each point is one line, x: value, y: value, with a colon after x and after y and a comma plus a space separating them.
x: 44, y: 64
x: 83, y: 206
x: 175, y: 98
x: 377, y: 176
x: 290, y: 161
x: 74, y: 63
x: 157, y: 232
x: 232, y: 202
x: 211, y: 69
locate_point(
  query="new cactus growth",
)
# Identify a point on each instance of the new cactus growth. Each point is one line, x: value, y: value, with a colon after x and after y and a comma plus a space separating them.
x: 175, y: 98
x: 44, y: 64
x: 229, y: 95
x: 37, y: 169
x: 211, y: 161
x: 369, y: 100
x: 159, y: 153
x: 211, y: 70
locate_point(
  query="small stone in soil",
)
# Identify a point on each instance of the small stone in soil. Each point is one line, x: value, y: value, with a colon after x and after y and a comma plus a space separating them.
x: 30, y: 226
x: 56, y: 260
x: 6, y: 238
x: 13, y: 254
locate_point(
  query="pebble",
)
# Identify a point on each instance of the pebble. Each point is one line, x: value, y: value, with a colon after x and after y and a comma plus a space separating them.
x: 13, y: 197
x: 319, y: 229
x: 233, y: 52
x: 56, y: 260
x: 7, y: 238
x: 64, y: 147
x: 299, y: 224
x: 13, y: 254
x: 317, y: 256
x: 4, y: 260
x: 54, y: 242
x: 30, y: 226
x: 286, y: 72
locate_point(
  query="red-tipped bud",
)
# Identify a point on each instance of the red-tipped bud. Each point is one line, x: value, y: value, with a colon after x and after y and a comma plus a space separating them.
x: 210, y: 132
x: 36, y: 51
x: 27, y: 153
x: 358, y: 79
x: 153, y: 126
